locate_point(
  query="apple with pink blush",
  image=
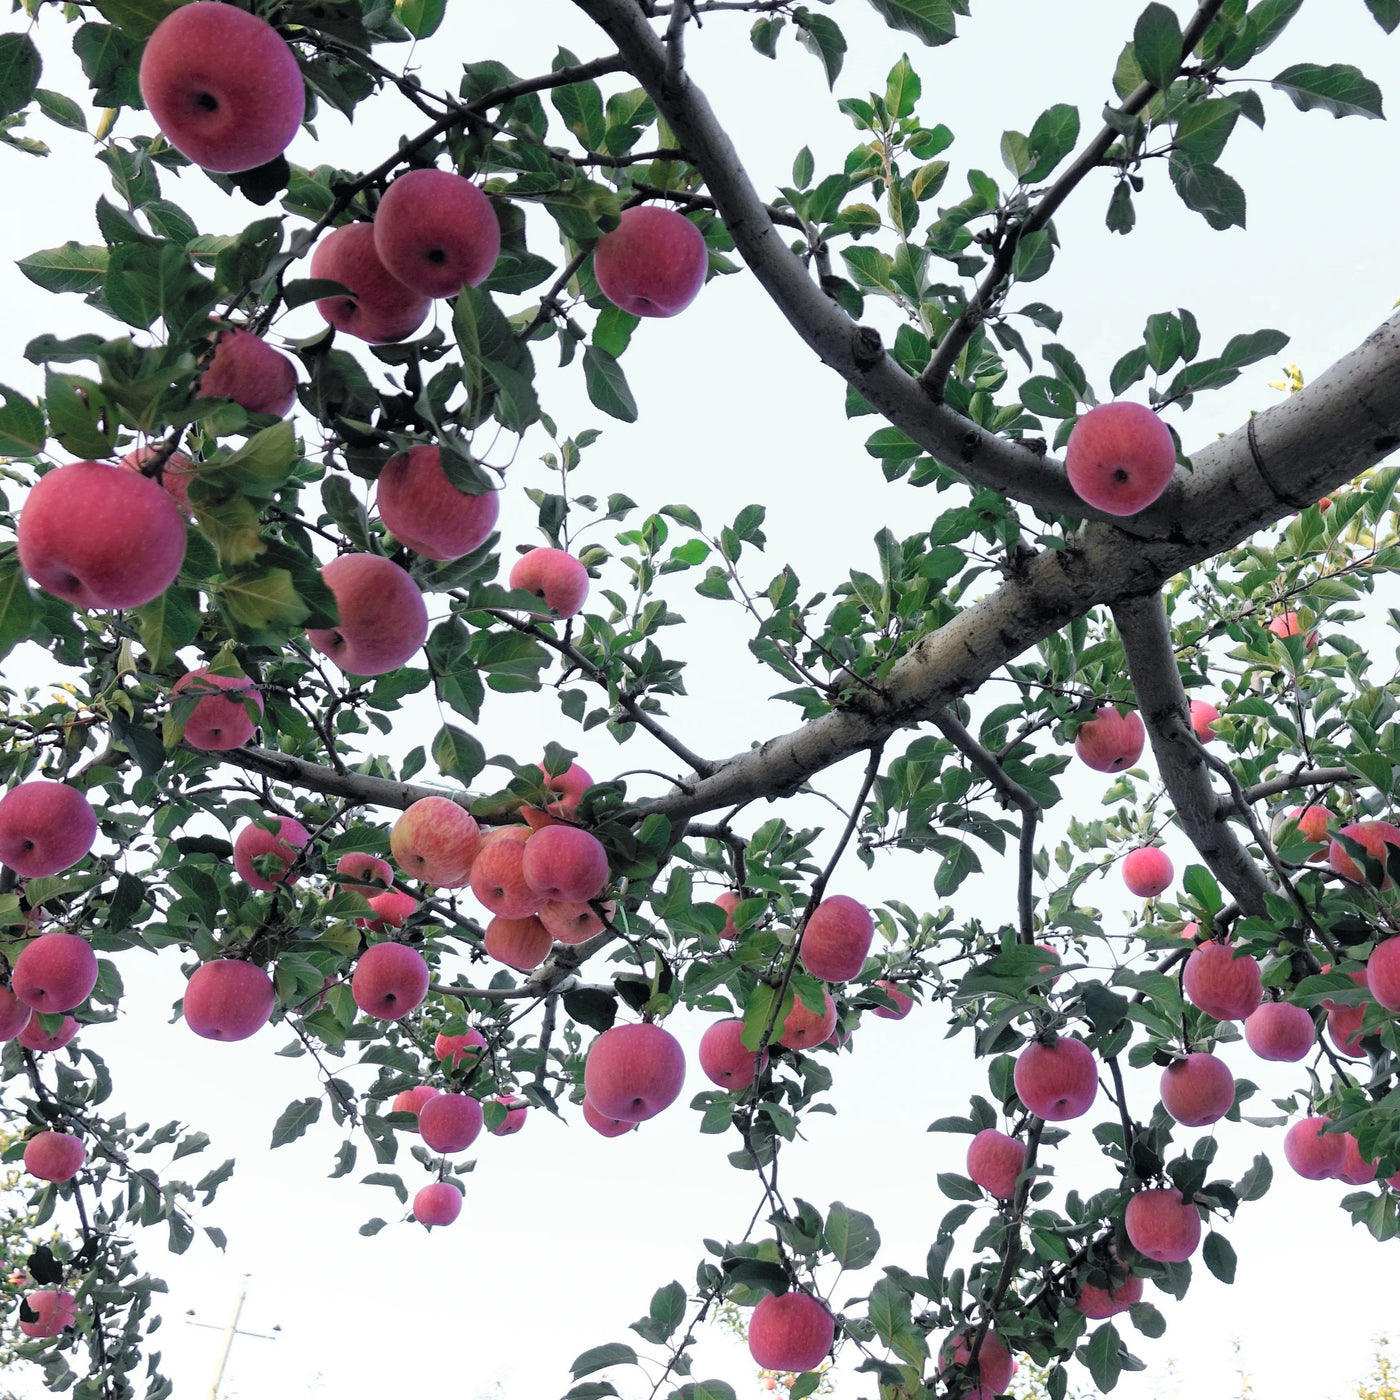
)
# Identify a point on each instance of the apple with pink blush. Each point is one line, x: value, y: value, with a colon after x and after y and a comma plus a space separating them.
x: 903, y: 1002
x: 1198, y: 1090
x: 1120, y: 457
x: 633, y: 1072
x: 54, y: 972
x: 55, y: 1157
x: 45, y: 828
x: 391, y: 911
x: 1224, y: 986
x: 565, y: 863
x: 389, y: 981
x: 1058, y: 1080
x: 354, y: 869
x: 724, y: 1059
x: 435, y: 840
x: 573, y: 921
x: 450, y: 1122
x: 454, y: 1049
x: 791, y: 1332
x: 1312, y: 1151
x: 995, y: 1364
x: 1110, y: 742
x: 34, y: 1037
x: 175, y: 475
x: 517, y: 1111
x: 426, y: 513
x: 1280, y: 1031
x: 1203, y: 717
x: 1376, y: 838
x: 498, y: 875
x: 601, y: 1123
x: 377, y: 307
x: 14, y: 1014
x: 1162, y: 1225
x: 995, y: 1162
x: 653, y: 263
x: 383, y: 618
x: 436, y: 232
x: 246, y: 369
x: 837, y: 939
x: 228, y: 999
x: 554, y: 576
x: 220, y: 719
x: 437, y: 1204
x: 802, y: 1028
x: 412, y: 1100
x: 1147, y: 871
x: 284, y: 844
x: 522, y: 943
x: 570, y: 785
x: 54, y: 1312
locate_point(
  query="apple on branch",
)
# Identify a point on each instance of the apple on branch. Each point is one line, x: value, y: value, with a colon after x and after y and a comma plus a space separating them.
x: 653, y: 263
x: 436, y: 232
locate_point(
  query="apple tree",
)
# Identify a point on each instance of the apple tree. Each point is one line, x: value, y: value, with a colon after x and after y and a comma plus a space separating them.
x: 256, y: 541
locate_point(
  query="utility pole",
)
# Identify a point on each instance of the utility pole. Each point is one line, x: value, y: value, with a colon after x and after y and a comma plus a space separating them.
x: 230, y: 1332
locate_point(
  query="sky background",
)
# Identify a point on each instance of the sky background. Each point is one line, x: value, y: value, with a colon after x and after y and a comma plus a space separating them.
x: 565, y: 1235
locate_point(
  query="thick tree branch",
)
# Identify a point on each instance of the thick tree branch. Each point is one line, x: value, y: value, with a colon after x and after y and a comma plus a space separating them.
x: 1290, y: 782
x: 1147, y: 644
x: 313, y: 777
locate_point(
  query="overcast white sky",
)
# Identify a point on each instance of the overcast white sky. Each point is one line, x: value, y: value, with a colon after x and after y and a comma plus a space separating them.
x: 564, y: 1235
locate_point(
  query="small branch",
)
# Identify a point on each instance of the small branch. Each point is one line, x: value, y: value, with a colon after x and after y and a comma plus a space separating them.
x: 1303, y: 778
x: 313, y: 777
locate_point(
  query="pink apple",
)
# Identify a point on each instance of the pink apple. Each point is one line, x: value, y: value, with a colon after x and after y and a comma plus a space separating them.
x: 227, y: 999
x: 246, y: 369
x: 1203, y: 717
x: 1344, y: 1030
x: 1313, y: 1152
x: 1123, y: 1291
x: 379, y: 308
x: 995, y: 1161
x: 220, y: 718
x: 1222, y: 985
x: 653, y: 263
x: 437, y: 1204
x: 35, y: 1037
x: 633, y: 1072
x: 791, y: 1332
x: 1355, y: 1170
x: 1312, y: 823
x: 903, y: 1002
x: 572, y: 921
x: 390, y: 981
x: 837, y: 939
x: 724, y: 1059
x: 45, y: 828
x: 601, y: 1123
x: 436, y: 840
x: 449, y: 1122
x: 498, y: 877
x: 54, y: 1156
x: 1287, y: 624
x: 383, y: 618
x: 1280, y: 1031
x: 565, y: 863
x: 1120, y: 458
x: 426, y: 513
x: 1110, y: 742
x: 14, y: 1014
x: 285, y: 844
x: 391, y: 911
x: 356, y: 867
x: 519, y: 943
x: 570, y: 785
x: 801, y: 1028
x: 222, y: 85
x: 729, y: 901
x: 517, y: 1111
x: 1058, y: 1081
x: 553, y: 575
x: 175, y: 475
x: 436, y: 232
x: 54, y: 972
x: 468, y: 1046
x: 1197, y: 1090
x: 1147, y: 871
x: 1375, y: 837
x: 55, y: 1313
x: 100, y: 537
x: 412, y: 1100
x: 1163, y: 1226
x: 995, y: 1364
x: 1383, y: 974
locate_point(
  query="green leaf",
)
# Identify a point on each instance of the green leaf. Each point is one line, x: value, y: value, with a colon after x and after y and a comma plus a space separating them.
x: 295, y: 1119
x: 902, y: 89
x: 1219, y: 1255
x: 1203, y: 128
x: 930, y: 21
x: 20, y: 67
x: 420, y: 17
x: 1157, y: 46
x: 596, y: 1358
x: 18, y: 608
x: 1051, y: 398
x: 819, y: 35
x: 850, y: 1236
x: 607, y: 385
x: 1333, y: 87
x: 1257, y: 1180
x: 1209, y: 191
x: 260, y: 599
x: 21, y: 425
x: 75, y: 267
x: 1386, y: 13
x: 1052, y: 138
x: 458, y: 754
x: 1102, y: 1357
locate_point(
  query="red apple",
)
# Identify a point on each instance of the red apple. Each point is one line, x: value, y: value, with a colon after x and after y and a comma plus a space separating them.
x: 995, y: 1161
x: 468, y: 1046
x: 801, y: 1028
x: 222, y: 85
x: 601, y: 1123
x: 791, y: 1332
x: 34, y: 1037
x: 1098, y: 1303
x: 54, y: 972
x: 100, y: 537
x: 1147, y: 871
x: 1120, y: 458
x: 438, y: 1204
x: 553, y: 575
x: 379, y: 308
x: 412, y: 1100
x: 903, y: 1002
x: 227, y: 999
x: 1203, y: 717
x: 1355, y: 1170
x: 357, y: 866
x: 54, y: 1156
x: 519, y: 943
x: 285, y: 843
x: 498, y: 876
x: 383, y: 618
x: 565, y: 863
x: 633, y: 1072
x: 55, y: 1313
x: 390, y: 981
x: 45, y: 828
x: 724, y: 1059
x: 517, y: 1111
x: 174, y: 475
x: 1375, y: 837
x: 449, y: 1122
x: 426, y: 513
x: 570, y: 785
x: 729, y: 901
x: 1197, y: 1090
x: 1344, y: 1030
x: 246, y: 369
x: 1221, y: 984
x: 1288, y: 625
x: 1110, y: 742
x: 391, y: 911
x: 572, y: 921
x: 995, y: 1364
x: 837, y: 939
x: 653, y: 263
x: 1163, y: 1226
x: 220, y: 718
x: 14, y: 1014
x: 436, y: 232
x: 436, y: 840
x: 1313, y: 1152
x: 1280, y: 1031
x: 1059, y: 1081
x: 1383, y: 974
